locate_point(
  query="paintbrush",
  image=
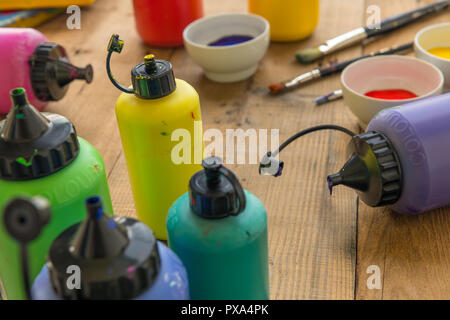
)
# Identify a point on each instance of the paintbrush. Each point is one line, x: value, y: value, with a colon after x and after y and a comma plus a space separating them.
x: 335, y: 95
x: 276, y: 88
x: 360, y: 34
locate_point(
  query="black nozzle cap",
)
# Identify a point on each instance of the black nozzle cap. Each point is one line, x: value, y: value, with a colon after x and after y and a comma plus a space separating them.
x: 373, y: 170
x: 118, y: 256
x: 215, y: 192
x: 23, y: 123
x: 19, y: 98
x: 212, y: 166
x: 334, y: 180
x: 153, y: 79
x: 98, y: 236
x: 32, y: 145
x: 86, y: 73
x: 66, y: 74
x: 354, y: 174
x: 24, y: 218
x: 51, y: 72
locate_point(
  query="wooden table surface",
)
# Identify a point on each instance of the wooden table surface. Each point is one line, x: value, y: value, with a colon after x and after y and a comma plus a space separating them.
x: 320, y: 246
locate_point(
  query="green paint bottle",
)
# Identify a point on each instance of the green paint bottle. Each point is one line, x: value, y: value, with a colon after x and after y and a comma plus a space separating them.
x: 40, y: 154
x: 219, y: 231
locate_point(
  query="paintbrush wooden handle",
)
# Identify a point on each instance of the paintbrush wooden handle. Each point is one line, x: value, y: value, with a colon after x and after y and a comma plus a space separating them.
x: 403, y: 19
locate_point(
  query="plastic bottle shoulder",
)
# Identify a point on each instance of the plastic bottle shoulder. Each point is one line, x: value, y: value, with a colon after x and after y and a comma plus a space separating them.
x: 231, y: 232
x: 183, y: 98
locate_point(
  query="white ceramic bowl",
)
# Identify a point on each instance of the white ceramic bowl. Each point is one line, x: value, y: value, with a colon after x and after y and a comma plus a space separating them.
x: 434, y: 36
x: 384, y: 73
x: 227, y: 63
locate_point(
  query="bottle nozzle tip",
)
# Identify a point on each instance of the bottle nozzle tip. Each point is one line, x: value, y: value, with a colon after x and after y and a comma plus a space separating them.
x: 212, y: 163
x: 88, y: 74
x: 334, y: 180
x: 94, y: 207
x: 19, y: 97
x: 150, y: 63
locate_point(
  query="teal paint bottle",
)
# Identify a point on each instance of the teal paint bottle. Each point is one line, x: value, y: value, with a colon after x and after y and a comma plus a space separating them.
x: 219, y: 231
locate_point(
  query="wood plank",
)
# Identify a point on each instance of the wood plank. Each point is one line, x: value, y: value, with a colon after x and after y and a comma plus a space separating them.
x: 411, y: 251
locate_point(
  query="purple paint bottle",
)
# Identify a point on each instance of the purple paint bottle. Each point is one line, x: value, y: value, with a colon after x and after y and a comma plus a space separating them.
x: 403, y: 159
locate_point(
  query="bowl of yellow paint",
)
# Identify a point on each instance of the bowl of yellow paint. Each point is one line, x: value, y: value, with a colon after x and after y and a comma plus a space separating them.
x: 432, y: 44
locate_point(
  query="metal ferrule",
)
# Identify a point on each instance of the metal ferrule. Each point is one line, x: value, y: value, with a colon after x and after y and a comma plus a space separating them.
x: 335, y: 95
x: 303, y: 78
x: 343, y: 40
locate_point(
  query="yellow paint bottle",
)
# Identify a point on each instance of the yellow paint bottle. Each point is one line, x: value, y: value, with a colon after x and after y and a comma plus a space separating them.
x: 290, y: 20
x: 156, y: 110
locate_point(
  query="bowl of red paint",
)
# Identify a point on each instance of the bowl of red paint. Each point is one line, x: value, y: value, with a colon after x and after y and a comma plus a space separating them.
x: 376, y: 83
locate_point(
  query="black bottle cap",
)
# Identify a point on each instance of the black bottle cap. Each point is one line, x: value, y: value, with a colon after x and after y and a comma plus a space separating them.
x: 34, y: 145
x: 151, y: 79
x: 373, y: 170
x: 215, y: 192
x: 51, y: 72
x: 118, y: 257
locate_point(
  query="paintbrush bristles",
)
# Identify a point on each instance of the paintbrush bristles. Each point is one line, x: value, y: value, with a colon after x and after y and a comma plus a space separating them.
x: 276, y: 88
x: 308, y: 55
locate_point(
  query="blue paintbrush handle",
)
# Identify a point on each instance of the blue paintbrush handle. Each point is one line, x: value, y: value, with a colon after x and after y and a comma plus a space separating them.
x: 403, y: 19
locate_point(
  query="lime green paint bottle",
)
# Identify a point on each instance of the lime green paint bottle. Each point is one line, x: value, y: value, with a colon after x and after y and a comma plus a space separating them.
x: 219, y: 231
x: 40, y: 154
x: 148, y: 113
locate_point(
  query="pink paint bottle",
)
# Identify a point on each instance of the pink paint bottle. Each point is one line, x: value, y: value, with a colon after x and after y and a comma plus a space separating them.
x: 30, y: 61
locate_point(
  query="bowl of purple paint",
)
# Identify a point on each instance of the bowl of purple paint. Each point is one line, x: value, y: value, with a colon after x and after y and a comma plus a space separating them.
x: 228, y: 46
